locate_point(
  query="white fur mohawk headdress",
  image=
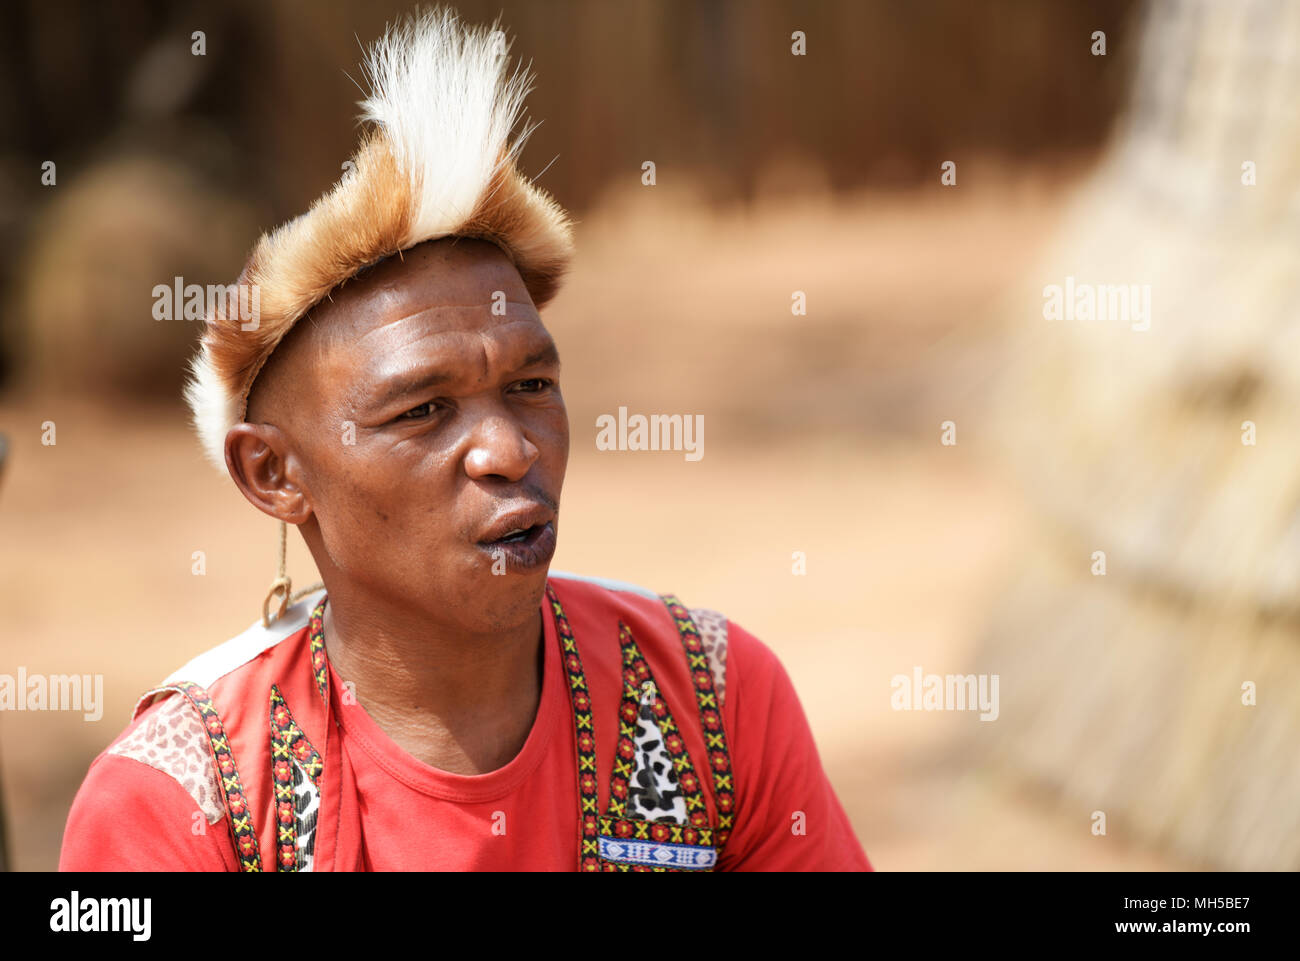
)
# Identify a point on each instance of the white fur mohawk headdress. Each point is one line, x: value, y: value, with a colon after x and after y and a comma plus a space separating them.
x: 436, y: 161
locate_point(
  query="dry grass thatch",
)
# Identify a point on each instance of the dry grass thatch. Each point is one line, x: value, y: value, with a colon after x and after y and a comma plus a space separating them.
x: 1123, y: 693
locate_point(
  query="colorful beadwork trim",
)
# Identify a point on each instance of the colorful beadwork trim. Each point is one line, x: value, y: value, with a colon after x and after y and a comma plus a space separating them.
x: 715, y: 737
x: 291, y: 749
x: 636, y: 677
x: 585, y: 731
x: 241, y: 820
x: 620, y: 855
x: 666, y: 832
x: 316, y: 638
x: 633, y: 844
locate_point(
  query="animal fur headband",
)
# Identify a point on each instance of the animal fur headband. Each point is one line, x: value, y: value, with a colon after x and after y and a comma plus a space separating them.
x: 436, y: 161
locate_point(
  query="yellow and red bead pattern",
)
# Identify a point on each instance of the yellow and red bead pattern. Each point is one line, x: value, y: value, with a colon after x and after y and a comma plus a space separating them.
x: 289, y: 745
x: 316, y: 639
x: 715, y: 736
x: 585, y: 732
x: 241, y: 819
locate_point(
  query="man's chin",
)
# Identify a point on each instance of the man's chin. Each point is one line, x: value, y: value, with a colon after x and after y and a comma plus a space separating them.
x: 507, y: 600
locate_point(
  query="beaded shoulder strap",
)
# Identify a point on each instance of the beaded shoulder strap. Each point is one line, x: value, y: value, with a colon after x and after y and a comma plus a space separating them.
x: 242, y: 829
x: 715, y: 736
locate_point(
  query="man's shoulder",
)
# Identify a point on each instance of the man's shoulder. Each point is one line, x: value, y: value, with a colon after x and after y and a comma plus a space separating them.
x: 151, y: 800
x: 623, y: 598
x: 718, y: 633
x: 159, y: 770
x: 229, y: 657
x: 589, y: 584
x: 170, y: 738
x: 168, y: 735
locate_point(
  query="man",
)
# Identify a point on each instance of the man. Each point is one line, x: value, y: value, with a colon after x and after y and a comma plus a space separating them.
x: 446, y: 705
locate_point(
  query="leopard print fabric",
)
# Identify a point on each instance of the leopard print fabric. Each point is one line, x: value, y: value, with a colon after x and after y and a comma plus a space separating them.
x: 713, y: 635
x: 171, y: 738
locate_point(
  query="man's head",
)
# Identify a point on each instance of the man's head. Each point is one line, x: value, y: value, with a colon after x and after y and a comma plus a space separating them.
x: 408, y: 425
x: 368, y: 287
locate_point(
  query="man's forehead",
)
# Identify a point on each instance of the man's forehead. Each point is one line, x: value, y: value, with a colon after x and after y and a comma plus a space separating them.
x: 447, y: 329
x: 397, y: 326
x: 436, y: 283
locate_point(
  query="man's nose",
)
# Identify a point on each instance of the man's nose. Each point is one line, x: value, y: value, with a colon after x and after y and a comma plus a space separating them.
x: 499, y: 448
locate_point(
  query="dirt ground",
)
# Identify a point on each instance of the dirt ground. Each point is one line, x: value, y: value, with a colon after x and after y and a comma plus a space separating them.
x: 822, y: 437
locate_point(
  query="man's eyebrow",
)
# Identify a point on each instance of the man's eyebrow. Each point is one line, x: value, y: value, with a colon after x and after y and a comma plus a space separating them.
x: 424, y: 378
x: 402, y: 384
x: 543, y: 355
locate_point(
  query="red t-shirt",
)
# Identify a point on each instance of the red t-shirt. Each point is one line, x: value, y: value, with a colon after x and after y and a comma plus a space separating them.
x: 129, y: 815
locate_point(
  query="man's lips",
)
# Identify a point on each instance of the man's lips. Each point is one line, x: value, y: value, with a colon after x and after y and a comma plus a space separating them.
x: 516, y: 524
x: 522, y: 552
x: 520, y: 539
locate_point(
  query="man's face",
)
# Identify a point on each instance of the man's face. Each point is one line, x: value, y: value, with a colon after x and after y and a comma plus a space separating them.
x: 421, y: 414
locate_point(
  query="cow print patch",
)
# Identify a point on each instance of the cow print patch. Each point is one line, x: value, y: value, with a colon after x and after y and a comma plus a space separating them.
x: 653, y: 792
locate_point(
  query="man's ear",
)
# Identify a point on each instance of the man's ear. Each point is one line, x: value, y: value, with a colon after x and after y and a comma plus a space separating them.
x: 267, y: 472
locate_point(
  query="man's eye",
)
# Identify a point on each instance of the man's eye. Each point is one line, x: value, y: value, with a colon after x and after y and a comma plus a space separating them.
x: 424, y: 410
x: 533, y: 385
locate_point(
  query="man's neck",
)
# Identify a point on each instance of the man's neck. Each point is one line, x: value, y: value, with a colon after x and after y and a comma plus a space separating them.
x: 463, y: 703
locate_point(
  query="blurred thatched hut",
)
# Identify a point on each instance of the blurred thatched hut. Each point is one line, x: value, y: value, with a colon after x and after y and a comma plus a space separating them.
x: 1172, y: 451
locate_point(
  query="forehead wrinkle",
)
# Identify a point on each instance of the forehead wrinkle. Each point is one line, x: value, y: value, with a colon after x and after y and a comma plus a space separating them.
x: 471, y: 315
x: 399, y: 340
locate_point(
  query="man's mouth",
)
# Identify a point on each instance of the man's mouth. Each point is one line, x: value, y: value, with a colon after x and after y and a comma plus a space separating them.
x: 519, y: 536
x: 520, y: 541
x: 522, y: 550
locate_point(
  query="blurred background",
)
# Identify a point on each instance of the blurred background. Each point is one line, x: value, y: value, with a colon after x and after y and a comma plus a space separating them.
x: 775, y: 173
